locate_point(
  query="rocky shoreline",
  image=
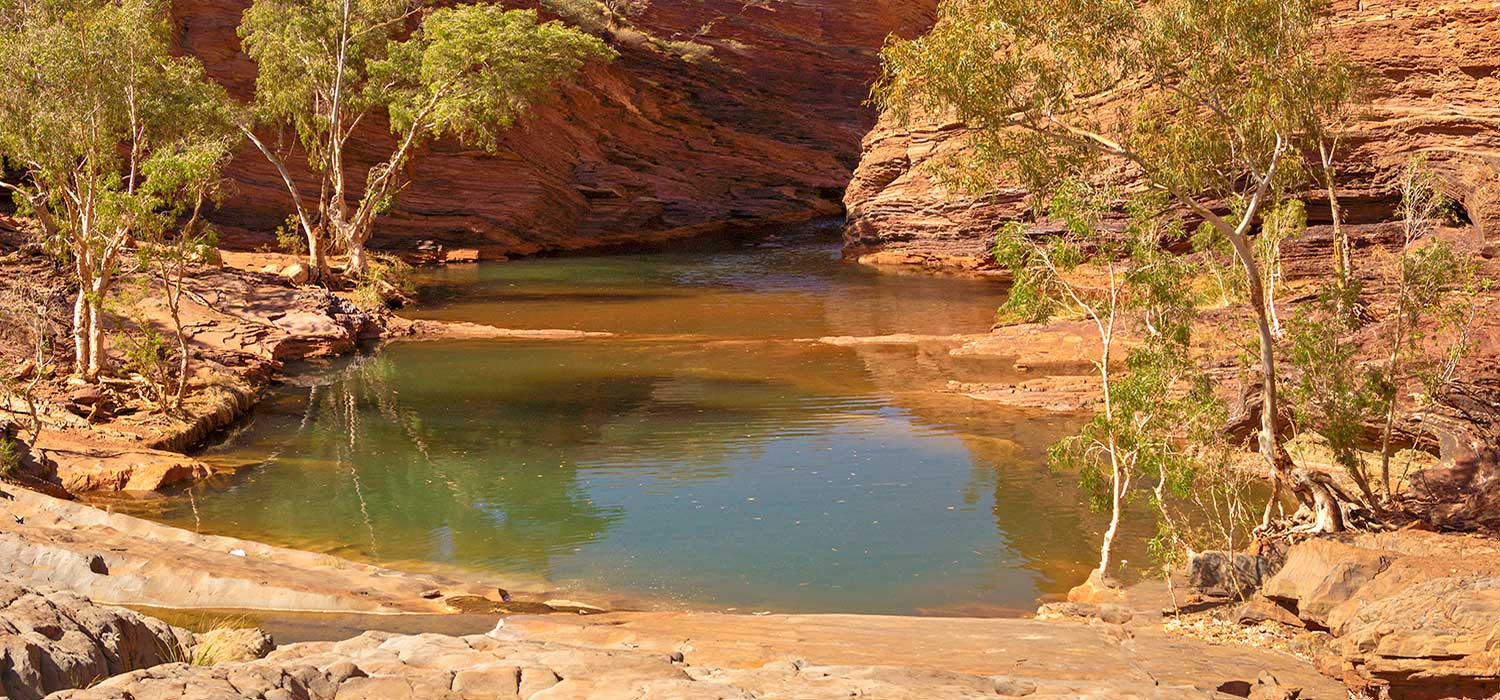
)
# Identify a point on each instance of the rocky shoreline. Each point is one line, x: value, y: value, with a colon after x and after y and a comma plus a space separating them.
x: 1409, y: 612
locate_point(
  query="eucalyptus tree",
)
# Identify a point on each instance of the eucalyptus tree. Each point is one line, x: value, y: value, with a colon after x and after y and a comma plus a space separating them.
x: 1156, y: 402
x: 99, y: 119
x: 326, y: 67
x: 1207, y: 101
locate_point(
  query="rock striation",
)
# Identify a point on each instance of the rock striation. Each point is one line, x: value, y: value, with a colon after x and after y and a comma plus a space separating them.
x: 1412, y: 614
x: 717, y: 112
x: 1434, y: 65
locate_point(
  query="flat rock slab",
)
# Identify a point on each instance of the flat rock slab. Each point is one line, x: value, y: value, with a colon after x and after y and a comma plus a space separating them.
x: 1085, y: 657
x: 124, y: 560
x: 84, y: 464
x: 510, y: 664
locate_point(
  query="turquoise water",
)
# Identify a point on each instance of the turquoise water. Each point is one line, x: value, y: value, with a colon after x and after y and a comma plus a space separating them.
x: 708, y: 454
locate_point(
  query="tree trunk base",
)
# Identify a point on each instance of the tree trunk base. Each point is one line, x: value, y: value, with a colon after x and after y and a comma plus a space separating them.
x: 1326, y: 507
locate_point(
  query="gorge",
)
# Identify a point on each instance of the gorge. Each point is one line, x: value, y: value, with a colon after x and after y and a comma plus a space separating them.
x: 699, y: 390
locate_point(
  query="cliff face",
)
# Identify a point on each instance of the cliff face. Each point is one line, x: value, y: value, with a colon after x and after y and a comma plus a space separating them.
x: 1435, y: 66
x: 765, y: 128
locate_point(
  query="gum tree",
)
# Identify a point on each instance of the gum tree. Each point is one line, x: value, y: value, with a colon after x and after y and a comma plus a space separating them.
x: 1205, y: 101
x: 95, y: 110
x: 1155, y: 402
x: 326, y: 67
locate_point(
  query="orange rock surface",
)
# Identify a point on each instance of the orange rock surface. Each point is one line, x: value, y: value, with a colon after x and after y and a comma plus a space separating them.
x: 765, y: 128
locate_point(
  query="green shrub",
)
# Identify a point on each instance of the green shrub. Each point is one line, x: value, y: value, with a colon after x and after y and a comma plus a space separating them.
x: 10, y: 457
x: 387, y: 283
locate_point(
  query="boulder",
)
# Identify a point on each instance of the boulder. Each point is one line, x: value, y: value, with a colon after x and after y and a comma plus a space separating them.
x: 1440, y: 636
x: 1227, y: 574
x: 1099, y: 590
x: 52, y: 641
x: 84, y: 465
x: 1260, y: 609
x: 1320, y: 574
x: 296, y: 273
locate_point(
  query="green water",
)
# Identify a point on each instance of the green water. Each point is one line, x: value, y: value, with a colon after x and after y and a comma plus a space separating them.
x: 707, y: 455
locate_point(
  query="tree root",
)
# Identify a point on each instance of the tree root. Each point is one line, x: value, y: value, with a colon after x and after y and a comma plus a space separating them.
x: 1326, y: 508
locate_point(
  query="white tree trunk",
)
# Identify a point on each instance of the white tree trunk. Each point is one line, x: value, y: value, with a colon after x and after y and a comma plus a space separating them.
x: 359, y: 262
x: 97, y: 362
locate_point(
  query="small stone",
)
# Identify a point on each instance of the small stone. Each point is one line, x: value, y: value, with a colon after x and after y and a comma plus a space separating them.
x: 1009, y: 687
x: 88, y: 395
x: 676, y: 657
x: 432, y: 594
x: 296, y: 273
x: 97, y: 565
x: 504, y: 594
x: 1115, y: 614
x: 342, y: 671
x: 237, y: 553
x: 1267, y: 687
x: 1260, y: 609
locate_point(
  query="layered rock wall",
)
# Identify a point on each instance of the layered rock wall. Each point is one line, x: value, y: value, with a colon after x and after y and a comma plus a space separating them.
x: 757, y: 117
x: 1434, y: 65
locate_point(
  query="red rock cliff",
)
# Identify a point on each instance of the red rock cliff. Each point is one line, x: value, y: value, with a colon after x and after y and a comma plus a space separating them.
x: 1437, y: 93
x: 766, y: 128
x: 1435, y: 65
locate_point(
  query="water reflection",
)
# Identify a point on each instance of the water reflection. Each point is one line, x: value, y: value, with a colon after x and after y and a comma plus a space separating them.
x: 708, y: 454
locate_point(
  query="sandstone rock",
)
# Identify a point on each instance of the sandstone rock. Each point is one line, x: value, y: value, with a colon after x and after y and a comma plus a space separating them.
x: 1227, y: 575
x: 1006, y: 686
x: 1441, y: 635
x: 51, y: 641
x: 1268, y: 688
x: 84, y: 464
x: 88, y: 395
x: 296, y: 273
x: 436, y: 667
x: 650, y: 147
x: 1260, y: 609
x: 897, y: 206
x: 1107, y: 612
x: 1097, y: 590
x: 1320, y: 574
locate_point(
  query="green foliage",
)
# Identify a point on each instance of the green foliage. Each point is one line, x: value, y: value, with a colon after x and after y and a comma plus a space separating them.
x: 1201, y: 94
x: 467, y: 72
x: 146, y: 356
x: 1334, y: 393
x: 1203, y: 101
x: 1162, y: 405
x: 106, y: 107
x: 115, y: 135
x: 388, y: 281
x: 10, y: 457
x: 289, y: 239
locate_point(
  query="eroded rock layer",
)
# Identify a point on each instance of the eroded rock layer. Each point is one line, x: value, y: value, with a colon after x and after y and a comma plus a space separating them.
x: 1436, y: 90
x: 1434, y: 65
x: 755, y: 114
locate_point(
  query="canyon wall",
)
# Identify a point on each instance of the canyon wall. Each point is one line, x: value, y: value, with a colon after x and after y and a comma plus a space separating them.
x: 1434, y: 64
x: 757, y: 119
x: 1436, y: 94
